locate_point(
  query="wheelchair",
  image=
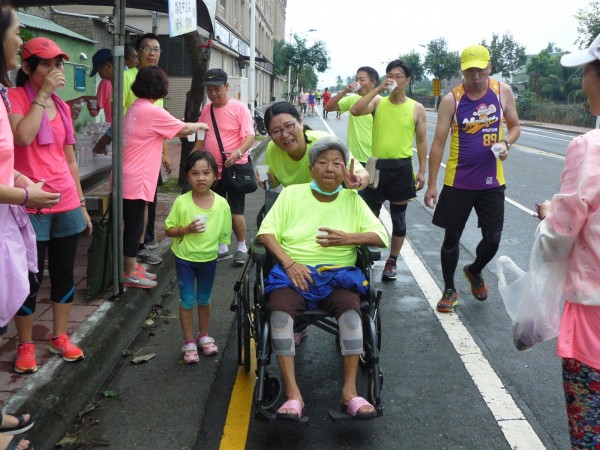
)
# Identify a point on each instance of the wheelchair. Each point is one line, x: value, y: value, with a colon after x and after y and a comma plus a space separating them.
x: 253, y: 326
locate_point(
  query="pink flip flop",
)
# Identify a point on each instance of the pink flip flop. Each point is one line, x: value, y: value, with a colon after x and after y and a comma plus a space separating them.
x: 354, y: 405
x: 290, y: 404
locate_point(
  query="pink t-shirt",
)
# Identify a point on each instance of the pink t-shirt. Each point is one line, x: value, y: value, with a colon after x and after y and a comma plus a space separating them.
x: 7, y: 151
x: 303, y: 97
x: 235, y: 125
x: 104, y: 95
x: 46, y: 162
x: 146, y: 126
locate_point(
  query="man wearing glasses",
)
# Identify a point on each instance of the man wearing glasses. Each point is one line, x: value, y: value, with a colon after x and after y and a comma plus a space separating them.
x: 148, y: 49
x: 397, y: 122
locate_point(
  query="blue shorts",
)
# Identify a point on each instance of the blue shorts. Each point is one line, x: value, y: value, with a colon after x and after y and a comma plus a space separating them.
x: 195, y: 282
x: 57, y: 225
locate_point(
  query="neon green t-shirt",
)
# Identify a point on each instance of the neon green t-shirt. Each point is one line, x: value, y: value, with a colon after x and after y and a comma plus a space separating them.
x: 128, y: 96
x: 360, y: 129
x: 286, y: 170
x: 394, y: 129
x: 199, y: 247
x: 297, y: 214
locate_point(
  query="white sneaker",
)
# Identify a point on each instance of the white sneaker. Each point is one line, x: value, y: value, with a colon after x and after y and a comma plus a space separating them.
x: 138, y: 282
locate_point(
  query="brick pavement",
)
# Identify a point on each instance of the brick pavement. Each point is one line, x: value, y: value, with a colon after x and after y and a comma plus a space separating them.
x: 10, y: 381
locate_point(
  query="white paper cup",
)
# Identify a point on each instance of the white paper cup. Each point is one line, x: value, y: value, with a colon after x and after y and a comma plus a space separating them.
x: 391, y: 87
x: 94, y: 104
x: 192, y: 137
x: 321, y: 232
x: 496, y: 149
x: 200, y: 134
x: 262, y: 171
x: 356, y: 88
x: 201, y: 218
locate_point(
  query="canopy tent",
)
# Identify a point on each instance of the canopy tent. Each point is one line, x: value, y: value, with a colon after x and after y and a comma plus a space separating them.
x: 205, y: 19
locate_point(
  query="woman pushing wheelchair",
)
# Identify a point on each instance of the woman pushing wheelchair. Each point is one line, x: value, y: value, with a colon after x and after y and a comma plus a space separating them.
x: 312, y: 231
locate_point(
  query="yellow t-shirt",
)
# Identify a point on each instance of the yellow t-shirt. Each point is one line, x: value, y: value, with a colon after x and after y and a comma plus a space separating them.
x: 394, y: 129
x: 199, y: 247
x: 128, y: 96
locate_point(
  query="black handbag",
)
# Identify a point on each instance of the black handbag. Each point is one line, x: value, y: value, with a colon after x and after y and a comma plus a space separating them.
x: 100, y: 261
x: 240, y: 177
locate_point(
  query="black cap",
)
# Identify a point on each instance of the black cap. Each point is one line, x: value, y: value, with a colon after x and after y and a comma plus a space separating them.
x: 215, y: 77
x: 99, y: 58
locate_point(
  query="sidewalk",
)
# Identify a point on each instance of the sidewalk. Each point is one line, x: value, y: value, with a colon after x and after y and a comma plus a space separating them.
x: 102, y: 328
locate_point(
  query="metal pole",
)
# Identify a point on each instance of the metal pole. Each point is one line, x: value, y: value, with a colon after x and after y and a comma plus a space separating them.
x: 252, y: 76
x: 290, y: 72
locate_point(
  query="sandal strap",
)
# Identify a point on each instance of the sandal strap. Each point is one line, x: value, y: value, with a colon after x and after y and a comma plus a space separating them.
x: 206, y: 340
x: 189, y: 347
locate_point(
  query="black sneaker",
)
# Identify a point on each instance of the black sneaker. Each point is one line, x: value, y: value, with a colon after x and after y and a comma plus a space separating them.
x: 389, y: 272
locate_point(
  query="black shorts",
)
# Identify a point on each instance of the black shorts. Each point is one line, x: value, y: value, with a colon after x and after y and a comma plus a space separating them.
x: 291, y: 302
x: 395, y: 184
x: 454, y: 207
x: 237, y: 202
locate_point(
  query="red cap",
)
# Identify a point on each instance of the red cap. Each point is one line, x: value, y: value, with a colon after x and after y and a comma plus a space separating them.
x: 43, y: 48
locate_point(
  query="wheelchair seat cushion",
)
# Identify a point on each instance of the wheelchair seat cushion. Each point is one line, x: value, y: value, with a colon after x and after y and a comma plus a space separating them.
x: 326, y: 278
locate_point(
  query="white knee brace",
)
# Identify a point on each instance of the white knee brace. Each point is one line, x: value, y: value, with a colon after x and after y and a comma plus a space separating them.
x: 351, y: 334
x: 282, y: 334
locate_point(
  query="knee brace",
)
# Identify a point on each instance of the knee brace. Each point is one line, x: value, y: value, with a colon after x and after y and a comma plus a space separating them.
x: 351, y: 334
x: 398, y: 215
x: 282, y: 334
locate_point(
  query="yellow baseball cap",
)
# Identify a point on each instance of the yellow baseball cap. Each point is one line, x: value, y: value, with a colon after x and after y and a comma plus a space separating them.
x: 474, y: 56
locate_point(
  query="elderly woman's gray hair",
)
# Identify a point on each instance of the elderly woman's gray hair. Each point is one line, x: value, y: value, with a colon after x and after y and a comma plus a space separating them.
x: 328, y: 143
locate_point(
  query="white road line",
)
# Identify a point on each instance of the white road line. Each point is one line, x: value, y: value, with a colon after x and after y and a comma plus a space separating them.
x: 515, y: 427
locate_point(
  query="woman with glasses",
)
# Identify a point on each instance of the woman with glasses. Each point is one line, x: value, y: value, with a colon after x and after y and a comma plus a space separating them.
x: 44, y: 138
x: 287, y: 153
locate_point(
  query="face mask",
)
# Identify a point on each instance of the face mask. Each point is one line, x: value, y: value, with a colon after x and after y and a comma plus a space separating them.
x: 315, y: 187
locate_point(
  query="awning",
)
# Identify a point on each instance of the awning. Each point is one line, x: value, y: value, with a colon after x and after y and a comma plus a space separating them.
x: 40, y: 23
x: 204, y: 18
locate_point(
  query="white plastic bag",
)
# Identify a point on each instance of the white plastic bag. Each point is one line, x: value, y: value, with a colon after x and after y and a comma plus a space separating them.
x: 532, y: 300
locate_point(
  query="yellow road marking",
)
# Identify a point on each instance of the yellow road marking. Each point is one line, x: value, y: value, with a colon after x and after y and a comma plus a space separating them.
x: 235, y: 431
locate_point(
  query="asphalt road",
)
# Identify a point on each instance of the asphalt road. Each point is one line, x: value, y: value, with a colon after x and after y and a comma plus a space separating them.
x: 433, y: 396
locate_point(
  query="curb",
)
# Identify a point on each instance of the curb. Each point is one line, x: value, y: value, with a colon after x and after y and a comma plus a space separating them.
x: 59, y: 391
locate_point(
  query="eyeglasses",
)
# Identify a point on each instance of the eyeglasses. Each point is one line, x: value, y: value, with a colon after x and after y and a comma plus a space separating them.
x: 397, y: 77
x: 288, y: 128
x: 148, y: 49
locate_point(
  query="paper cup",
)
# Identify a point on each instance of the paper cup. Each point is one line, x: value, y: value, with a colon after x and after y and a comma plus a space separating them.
x: 192, y: 137
x: 262, y: 172
x: 356, y: 88
x: 496, y: 149
x: 391, y: 88
x: 94, y: 104
x: 321, y: 232
x: 200, y: 134
x: 201, y: 218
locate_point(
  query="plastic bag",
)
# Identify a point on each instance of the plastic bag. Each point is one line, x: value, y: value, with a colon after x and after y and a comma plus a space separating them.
x: 532, y: 300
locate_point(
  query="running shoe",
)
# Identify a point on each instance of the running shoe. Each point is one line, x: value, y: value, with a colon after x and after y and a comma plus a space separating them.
x: 146, y: 256
x: 141, y: 270
x: 62, y: 345
x: 152, y: 244
x: 448, y: 301
x: 138, y: 281
x: 240, y: 258
x: 389, y: 272
x: 478, y: 286
x: 225, y: 255
x: 25, y: 362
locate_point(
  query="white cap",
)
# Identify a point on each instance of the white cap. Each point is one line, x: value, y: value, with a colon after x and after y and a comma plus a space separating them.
x: 582, y: 56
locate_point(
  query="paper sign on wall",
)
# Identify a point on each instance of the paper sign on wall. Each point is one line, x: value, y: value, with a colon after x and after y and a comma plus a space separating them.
x: 183, y: 17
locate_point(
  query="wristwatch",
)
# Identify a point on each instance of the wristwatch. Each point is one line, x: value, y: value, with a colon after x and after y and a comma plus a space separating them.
x: 507, y: 144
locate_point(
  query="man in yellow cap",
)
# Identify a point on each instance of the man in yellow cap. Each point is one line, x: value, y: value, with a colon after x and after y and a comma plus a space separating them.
x: 473, y: 113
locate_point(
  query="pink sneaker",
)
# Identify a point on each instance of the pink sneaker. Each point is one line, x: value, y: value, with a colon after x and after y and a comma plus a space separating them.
x: 62, y: 345
x: 190, y: 353
x: 25, y: 362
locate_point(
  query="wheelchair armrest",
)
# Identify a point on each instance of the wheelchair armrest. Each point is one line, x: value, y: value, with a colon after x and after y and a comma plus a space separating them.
x: 372, y: 251
x: 259, y: 251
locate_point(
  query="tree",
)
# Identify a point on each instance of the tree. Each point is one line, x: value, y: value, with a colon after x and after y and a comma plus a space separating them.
x: 588, y: 26
x: 506, y: 54
x: 279, y: 64
x: 549, y: 80
x: 298, y: 55
x: 418, y: 70
x: 441, y: 62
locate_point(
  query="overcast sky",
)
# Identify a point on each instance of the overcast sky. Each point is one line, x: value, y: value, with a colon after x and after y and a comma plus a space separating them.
x: 372, y: 33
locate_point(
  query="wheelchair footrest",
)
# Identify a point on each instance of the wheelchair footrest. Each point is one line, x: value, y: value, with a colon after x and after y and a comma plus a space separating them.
x: 343, y: 416
x: 268, y: 416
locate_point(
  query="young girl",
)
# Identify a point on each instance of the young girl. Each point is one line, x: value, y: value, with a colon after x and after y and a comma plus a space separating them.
x: 198, y: 222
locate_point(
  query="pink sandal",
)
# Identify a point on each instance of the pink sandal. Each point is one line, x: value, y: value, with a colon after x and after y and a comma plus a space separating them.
x: 190, y: 353
x: 355, y: 404
x: 208, y: 345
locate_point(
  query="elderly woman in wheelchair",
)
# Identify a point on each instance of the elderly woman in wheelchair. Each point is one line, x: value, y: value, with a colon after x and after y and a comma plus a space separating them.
x: 312, y: 232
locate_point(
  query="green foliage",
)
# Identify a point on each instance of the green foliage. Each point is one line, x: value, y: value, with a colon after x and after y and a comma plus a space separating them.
x: 418, y: 70
x: 441, y: 62
x: 298, y: 55
x: 279, y: 64
x: 588, y: 26
x: 506, y: 54
x: 549, y: 80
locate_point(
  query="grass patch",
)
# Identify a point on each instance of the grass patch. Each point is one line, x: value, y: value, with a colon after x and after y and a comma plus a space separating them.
x: 170, y: 186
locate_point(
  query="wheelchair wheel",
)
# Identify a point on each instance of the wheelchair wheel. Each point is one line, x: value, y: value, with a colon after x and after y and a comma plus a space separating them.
x: 373, y: 388
x: 377, y: 323
x: 243, y: 325
x: 271, y: 391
